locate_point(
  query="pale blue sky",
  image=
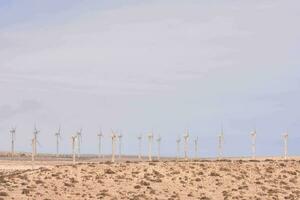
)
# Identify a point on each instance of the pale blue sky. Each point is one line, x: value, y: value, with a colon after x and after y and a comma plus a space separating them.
x: 141, y: 65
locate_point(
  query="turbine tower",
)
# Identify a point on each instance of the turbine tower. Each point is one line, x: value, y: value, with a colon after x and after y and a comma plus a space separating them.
x: 178, y: 147
x: 220, y: 145
x: 58, y: 137
x: 140, y: 146
x: 33, y: 145
x: 100, y: 135
x: 113, y: 143
x: 186, y: 138
x: 74, y: 137
x: 285, y: 139
x: 150, y: 139
x: 79, y: 139
x: 158, y: 147
x: 196, y: 147
x: 253, y: 137
x: 120, y: 136
x: 13, y: 137
x: 35, y: 140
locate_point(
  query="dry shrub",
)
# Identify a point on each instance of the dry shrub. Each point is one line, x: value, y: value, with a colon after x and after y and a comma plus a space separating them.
x: 68, y: 184
x: 144, y: 183
x: 254, y: 160
x: 224, y: 169
x: 72, y: 180
x: 152, y: 163
x: 158, y: 174
x: 269, y: 170
x: 293, y: 180
x: 137, y: 187
x: 214, y: 174
x: 175, y: 172
x: 39, y: 182
x: 109, y: 171
x: 3, y: 194
x: 243, y: 187
x: 204, y: 198
x: 25, y: 191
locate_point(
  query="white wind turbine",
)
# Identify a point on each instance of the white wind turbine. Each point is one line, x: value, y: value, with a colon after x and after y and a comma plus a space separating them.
x: 74, y: 138
x: 196, y: 147
x: 140, y: 146
x: 220, y: 144
x: 285, y: 140
x: 113, y: 144
x: 35, y: 140
x: 150, y: 139
x: 33, y: 145
x: 120, y: 136
x: 79, y: 139
x: 178, y: 147
x: 158, y: 147
x: 253, y: 145
x: 13, y: 137
x: 100, y: 135
x: 58, y: 137
x: 186, y: 138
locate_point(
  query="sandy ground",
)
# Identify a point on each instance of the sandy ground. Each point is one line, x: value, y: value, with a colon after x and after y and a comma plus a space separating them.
x: 226, y: 179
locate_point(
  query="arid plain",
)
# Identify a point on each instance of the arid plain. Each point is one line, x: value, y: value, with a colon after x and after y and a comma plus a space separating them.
x: 168, y: 179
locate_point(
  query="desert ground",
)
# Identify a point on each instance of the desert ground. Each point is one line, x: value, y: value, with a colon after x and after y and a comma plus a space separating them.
x: 168, y: 179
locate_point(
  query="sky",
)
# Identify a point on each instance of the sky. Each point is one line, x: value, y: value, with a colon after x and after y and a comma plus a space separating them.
x: 137, y: 66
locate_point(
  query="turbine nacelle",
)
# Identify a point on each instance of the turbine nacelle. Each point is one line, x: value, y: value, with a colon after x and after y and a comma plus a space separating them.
x: 79, y: 134
x: 158, y: 139
x: 74, y: 138
x: 100, y: 134
x: 139, y: 137
x: 12, y: 130
x: 186, y: 135
x: 120, y: 136
x: 150, y: 136
x: 35, y: 130
x: 58, y: 132
x: 113, y: 135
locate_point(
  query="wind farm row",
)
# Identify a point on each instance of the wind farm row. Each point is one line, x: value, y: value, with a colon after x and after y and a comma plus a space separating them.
x: 116, y: 143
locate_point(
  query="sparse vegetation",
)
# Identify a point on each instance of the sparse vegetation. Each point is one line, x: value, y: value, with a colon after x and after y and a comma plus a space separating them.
x: 223, y: 179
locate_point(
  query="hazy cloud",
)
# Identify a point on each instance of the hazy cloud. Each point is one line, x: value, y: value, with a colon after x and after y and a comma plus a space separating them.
x: 26, y: 106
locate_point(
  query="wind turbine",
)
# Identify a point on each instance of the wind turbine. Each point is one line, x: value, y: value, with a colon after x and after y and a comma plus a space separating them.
x: 35, y: 133
x: 253, y: 137
x: 220, y: 145
x: 74, y: 137
x: 158, y: 147
x: 196, y: 147
x: 13, y: 137
x: 285, y: 140
x: 113, y: 143
x: 178, y: 147
x: 150, y: 139
x: 79, y: 139
x: 58, y: 137
x: 33, y: 145
x: 120, y: 136
x: 100, y: 135
x: 186, y: 138
x: 140, y: 146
